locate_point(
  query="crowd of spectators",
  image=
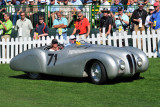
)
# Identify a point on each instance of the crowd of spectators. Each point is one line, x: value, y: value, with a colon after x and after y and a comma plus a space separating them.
x: 122, y: 15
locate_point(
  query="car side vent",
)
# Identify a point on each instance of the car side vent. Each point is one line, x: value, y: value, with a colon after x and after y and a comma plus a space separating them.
x: 130, y: 63
x: 134, y: 60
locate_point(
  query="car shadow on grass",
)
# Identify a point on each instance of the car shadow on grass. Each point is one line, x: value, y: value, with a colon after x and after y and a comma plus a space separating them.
x: 123, y: 80
x: 78, y: 80
x: 53, y: 78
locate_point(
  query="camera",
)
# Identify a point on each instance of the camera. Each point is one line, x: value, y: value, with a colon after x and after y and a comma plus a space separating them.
x: 77, y: 31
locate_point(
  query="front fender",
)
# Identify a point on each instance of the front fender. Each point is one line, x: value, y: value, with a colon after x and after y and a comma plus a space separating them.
x: 108, y: 61
x: 138, y: 53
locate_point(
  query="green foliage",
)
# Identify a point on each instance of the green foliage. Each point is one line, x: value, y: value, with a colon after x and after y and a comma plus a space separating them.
x: 16, y: 90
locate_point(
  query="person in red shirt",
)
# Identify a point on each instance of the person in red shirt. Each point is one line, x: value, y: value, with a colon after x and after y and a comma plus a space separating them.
x: 82, y: 26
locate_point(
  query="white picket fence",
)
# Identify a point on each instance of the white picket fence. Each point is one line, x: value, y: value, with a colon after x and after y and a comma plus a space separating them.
x: 16, y: 46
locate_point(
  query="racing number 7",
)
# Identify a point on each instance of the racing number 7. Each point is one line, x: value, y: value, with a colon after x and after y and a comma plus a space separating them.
x: 51, y: 56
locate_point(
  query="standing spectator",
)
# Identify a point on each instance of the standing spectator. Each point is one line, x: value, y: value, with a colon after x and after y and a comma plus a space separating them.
x: 15, y: 3
x: 114, y: 7
x: 131, y: 7
x: 6, y: 27
x: 11, y: 9
x: 155, y: 18
x: 52, y: 9
x: 60, y: 24
x: 22, y: 7
x: 66, y: 10
x: 77, y: 2
x: 106, y: 22
x: 147, y: 22
x: 152, y: 1
x: 82, y: 26
x: 121, y: 20
x: 124, y: 2
x: 121, y: 23
x: 2, y: 8
x: 104, y: 5
x: 41, y: 28
x: 139, y: 17
x: 31, y: 10
x: 24, y: 26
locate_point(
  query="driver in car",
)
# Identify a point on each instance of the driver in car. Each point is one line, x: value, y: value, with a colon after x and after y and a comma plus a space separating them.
x: 54, y: 45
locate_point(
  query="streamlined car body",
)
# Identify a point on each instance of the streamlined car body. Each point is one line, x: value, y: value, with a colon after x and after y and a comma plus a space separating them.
x: 98, y: 62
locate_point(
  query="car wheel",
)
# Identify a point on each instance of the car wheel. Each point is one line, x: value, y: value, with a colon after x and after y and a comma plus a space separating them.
x: 98, y: 73
x: 33, y: 75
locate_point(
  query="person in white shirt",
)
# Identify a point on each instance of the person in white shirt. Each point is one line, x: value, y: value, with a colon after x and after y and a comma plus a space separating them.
x: 147, y: 22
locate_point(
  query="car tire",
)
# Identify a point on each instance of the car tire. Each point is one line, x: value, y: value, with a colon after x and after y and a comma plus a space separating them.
x: 97, y: 73
x: 33, y: 75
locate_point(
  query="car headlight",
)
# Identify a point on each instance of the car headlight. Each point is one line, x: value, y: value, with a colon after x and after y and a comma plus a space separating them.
x: 122, y: 65
x: 139, y: 62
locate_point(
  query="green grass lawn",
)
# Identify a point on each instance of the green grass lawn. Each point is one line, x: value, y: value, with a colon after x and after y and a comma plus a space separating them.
x: 16, y: 90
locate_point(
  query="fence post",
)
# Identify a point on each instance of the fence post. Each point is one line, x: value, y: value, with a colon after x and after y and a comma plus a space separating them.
x: 149, y: 45
x: 139, y: 40
x: 98, y: 39
x: 8, y: 50
x: 93, y: 39
x: 144, y: 36
x: 134, y: 39
x: 120, y: 39
x: 126, y: 38
x: 114, y: 39
x: 3, y: 51
x: 154, y: 43
x: 109, y: 40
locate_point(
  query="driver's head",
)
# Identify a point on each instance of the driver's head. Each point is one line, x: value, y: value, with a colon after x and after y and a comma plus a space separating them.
x: 54, y: 43
x: 72, y: 39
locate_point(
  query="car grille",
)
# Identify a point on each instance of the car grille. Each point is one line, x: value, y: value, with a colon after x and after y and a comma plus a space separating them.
x: 131, y: 60
x: 134, y: 60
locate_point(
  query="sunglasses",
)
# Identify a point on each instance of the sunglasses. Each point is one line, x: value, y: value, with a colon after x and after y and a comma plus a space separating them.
x: 155, y: 6
x: 79, y: 16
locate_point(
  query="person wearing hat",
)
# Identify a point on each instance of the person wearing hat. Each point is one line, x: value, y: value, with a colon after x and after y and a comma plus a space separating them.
x: 103, y: 5
x: 54, y: 45
x: 106, y: 22
x: 121, y: 20
x: 139, y: 17
x: 147, y: 22
x: 72, y: 39
x: 155, y: 18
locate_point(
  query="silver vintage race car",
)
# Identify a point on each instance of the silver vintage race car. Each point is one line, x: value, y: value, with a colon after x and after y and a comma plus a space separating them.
x: 98, y: 62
